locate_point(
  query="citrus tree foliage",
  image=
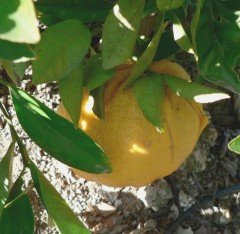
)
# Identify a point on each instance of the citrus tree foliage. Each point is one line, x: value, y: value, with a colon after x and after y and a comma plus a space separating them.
x: 80, y: 45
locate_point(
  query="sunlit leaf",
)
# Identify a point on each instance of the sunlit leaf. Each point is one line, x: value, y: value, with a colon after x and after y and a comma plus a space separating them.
x: 15, y: 52
x: 147, y: 57
x: 71, y: 92
x: 98, y: 96
x: 95, y: 74
x: 120, y: 32
x: 61, y: 49
x: 84, y: 11
x: 167, y: 5
x: 5, y: 175
x: 193, y: 91
x: 57, y: 136
x: 64, y: 218
x: 149, y: 92
x: 180, y: 35
x: 17, y: 218
x: 217, y: 44
x: 18, y: 21
x: 234, y: 145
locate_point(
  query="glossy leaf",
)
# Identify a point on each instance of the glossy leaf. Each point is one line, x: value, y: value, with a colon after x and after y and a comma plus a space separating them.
x: 84, y: 11
x: 61, y: 49
x: 64, y: 218
x: 15, y: 52
x: 57, y: 136
x: 149, y: 92
x: 219, y: 50
x: 17, y: 218
x: 71, y: 92
x: 120, y: 32
x: 18, y: 21
x: 6, y: 175
x: 193, y: 91
x: 234, y: 145
x: 98, y: 96
x: 180, y: 35
x: 167, y: 5
x: 147, y: 57
x: 95, y: 74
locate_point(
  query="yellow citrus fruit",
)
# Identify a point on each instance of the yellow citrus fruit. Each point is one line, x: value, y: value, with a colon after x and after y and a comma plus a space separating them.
x: 138, y: 153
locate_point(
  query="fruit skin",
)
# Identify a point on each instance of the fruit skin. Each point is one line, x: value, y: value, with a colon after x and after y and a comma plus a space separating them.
x: 137, y: 152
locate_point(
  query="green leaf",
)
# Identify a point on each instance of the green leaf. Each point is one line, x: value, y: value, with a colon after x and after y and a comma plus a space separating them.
x: 18, y: 21
x: 15, y: 71
x: 167, y: 5
x: 120, y: 32
x: 98, y: 96
x: 84, y: 11
x: 17, y: 218
x: 15, y: 52
x: 6, y: 175
x: 57, y: 136
x: 64, y: 218
x: 167, y: 46
x: 71, y: 92
x: 150, y: 7
x: 61, y: 49
x: 193, y: 91
x: 218, y: 47
x: 95, y: 74
x: 194, y: 23
x: 234, y: 145
x: 180, y: 35
x: 149, y: 92
x: 147, y: 57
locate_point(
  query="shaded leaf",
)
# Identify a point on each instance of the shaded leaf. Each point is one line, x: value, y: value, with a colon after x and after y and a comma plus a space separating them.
x: 84, y: 11
x: 61, y: 49
x: 120, y: 32
x: 147, y: 57
x: 220, y: 49
x: 234, y: 145
x: 150, y: 7
x: 95, y: 74
x: 18, y: 21
x: 98, y: 96
x: 57, y: 136
x: 17, y: 218
x: 71, y: 92
x: 149, y: 92
x: 194, y: 23
x: 180, y: 35
x: 167, y: 46
x: 64, y: 218
x: 193, y: 91
x: 15, y: 71
x: 6, y: 175
x: 167, y: 5
x: 15, y: 52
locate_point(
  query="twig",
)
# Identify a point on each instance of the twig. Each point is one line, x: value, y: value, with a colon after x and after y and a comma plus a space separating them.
x: 206, y: 199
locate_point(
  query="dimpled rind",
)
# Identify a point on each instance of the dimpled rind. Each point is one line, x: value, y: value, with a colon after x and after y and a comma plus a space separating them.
x: 138, y: 153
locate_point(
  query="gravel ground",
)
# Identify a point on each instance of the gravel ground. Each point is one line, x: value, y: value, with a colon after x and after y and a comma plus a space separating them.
x: 156, y: 208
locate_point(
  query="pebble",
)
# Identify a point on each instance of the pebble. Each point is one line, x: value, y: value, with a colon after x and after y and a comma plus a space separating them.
x: 150, y: 223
